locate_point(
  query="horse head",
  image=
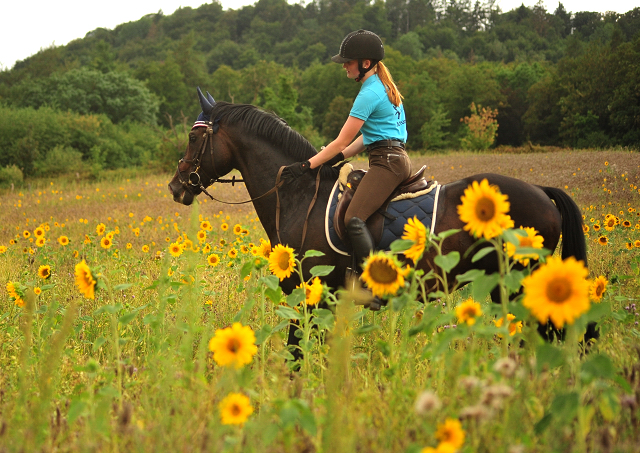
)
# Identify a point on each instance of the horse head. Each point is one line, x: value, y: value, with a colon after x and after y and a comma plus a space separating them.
x: 205, y: 159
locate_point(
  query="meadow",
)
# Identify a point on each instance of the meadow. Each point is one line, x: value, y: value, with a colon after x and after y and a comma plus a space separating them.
x: 141, y: 363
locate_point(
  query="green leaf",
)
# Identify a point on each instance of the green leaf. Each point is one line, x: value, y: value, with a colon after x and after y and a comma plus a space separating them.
x: 547, y: 354
x: 448, y: 261
x: 597, y: 311
x: 482, y: 253
x: 483, y: 285
x: 312, y: 254
x: 565, y: 407
x: 321, y: 271
x: 263, y: 334
x: 276, y: 295
x: 296, y: 297
x: 513, y: 280
x: 281, y: 325
x: 445, y: 234
x: 470, y: 275
x: 401, y: 245
x: 127, y: 318
x: 323, y: 318
x: 543, y: 423
x: 76, y: 409
x: 271, y: 282
x: 98, y: 343
x: 288, y: 313
x: 246, y: 269
x: 366, y: 329
x: 597, y: 367
x: 122, y: 286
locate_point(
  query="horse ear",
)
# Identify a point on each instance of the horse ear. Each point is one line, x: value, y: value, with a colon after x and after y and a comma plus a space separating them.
x: 204, y: 103
x: 210, y: 98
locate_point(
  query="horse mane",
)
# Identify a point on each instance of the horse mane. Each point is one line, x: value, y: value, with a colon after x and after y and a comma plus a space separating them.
x: 267, y: 125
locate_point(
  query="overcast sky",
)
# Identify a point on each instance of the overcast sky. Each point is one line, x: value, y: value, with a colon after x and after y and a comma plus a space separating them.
x: 25, y: 28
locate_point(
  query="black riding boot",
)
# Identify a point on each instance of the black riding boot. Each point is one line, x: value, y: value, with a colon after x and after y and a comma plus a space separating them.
x: 362, y: 244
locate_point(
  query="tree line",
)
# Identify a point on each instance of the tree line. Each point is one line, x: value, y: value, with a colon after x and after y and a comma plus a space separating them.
x: 555, y: 78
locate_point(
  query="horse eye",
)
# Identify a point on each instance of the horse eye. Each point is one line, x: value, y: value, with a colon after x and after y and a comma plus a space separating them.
x: 192, y: 138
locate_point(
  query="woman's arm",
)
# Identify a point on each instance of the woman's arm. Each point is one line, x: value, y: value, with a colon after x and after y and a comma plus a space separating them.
x: 343, y: 143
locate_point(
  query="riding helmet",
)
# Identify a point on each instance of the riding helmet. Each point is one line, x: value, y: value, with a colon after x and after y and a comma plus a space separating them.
x: 360, y: 45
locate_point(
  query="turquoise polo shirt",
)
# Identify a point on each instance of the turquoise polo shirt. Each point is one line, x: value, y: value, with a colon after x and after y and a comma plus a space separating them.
x: 382, y: 119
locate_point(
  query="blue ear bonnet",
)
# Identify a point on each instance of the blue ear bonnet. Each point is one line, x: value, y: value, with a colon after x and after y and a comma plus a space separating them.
x: 207, y: 104
x: 202, y: 117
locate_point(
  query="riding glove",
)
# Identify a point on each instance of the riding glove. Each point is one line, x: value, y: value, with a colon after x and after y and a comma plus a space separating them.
x: 296, y: 170
x: 335, y: 159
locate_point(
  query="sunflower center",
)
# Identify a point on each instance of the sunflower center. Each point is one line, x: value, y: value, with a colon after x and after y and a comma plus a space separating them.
x: 485, y: 209
x: 283, y: 261
x: 599, y: 290
x: 558, y: 290
x: 235, y: 410
x: 526, y: 242
x: 233, y: 345
x: 381, y: 272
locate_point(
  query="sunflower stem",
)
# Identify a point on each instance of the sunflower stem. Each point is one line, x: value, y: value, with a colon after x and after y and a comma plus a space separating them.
x: 504, y: 296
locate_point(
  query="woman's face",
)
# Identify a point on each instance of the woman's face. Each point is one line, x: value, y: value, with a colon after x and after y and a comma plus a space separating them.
x: 352, y: 67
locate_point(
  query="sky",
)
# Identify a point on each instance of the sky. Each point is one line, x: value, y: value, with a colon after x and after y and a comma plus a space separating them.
x: 25, y: 28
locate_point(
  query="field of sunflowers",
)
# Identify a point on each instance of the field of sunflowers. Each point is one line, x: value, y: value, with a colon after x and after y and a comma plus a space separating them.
x: 131, y: 323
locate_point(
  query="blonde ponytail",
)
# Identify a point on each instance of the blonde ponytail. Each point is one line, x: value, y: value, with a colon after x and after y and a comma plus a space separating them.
x: 392, y: 90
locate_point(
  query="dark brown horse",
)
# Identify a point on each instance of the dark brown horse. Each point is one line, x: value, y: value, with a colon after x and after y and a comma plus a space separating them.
x: 258, y: 144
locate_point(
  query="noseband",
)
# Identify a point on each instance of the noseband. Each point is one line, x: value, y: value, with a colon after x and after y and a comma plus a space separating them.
x: 194, y: 180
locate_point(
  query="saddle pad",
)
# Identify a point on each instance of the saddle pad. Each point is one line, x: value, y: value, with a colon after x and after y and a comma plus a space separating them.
x: 424, y: 207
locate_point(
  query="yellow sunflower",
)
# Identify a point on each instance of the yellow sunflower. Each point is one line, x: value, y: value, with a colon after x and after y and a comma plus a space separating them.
x: 264, y: 248
x: 235, y: 409
x: 100, y: 228
x: 531, y: 240
x: 237, y: 229
x: 636, y: 243
x: 41, y: 241
x: 106, y: 242
x: 3, y: 249
x: 603, y: 240
x: 224, y: 226
x: 610, y: 223
x: 38, y: 232
x: 514, y: 327
x: 213, y: 259
x: 129, y: 246
x: 37, y: 290
x: 233, y: 346
x: 233, y: 253
x: 63, y: 240
x: 145, y: 248
x: 205, y: 225
x: 451, y: 432
x: 597, y: 288
x: 558, y: 290
x: 11, y: 289
x: 415, y: 231
x: 206, y: 248
x: 175, y: 249
x: 281, y: 261
x: 201, y: 235
x: 484, y: 210
x: 26, y: 234
x: 313, y: 291
x: 596, y: 227
x: 44, y: 271
x: 382, y: 274
x: 468, y: 311
x: 84, y: 280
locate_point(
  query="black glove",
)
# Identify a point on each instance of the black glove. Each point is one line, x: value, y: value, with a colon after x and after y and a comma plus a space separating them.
x: 335, y: 159
x: 296, y: 170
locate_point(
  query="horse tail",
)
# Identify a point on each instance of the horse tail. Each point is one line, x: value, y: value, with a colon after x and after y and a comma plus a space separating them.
x: 573, y: 242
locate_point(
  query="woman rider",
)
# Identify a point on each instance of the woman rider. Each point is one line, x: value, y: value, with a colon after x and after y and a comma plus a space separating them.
x: 379, y: 115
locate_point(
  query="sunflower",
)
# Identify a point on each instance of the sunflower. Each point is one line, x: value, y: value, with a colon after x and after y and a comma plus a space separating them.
x: 3, y: 249
x: 313, y: 291
x: 145, y: 248
x: 597, y: 288
x: 596, y: 227
x: 41, y: 241
x: 626, y: 224
x: 610, y: 223
x: 468, y: 311
x: 12, y: 290
x: 415, y: 231
x: 558, y: 290
x: 224, y: 226
x: 636, y: 243
x: 84, y: 280
x: 63, y: 240
x: 129, y: 245
x: 37, y: 290
x: 175, y: 249
x: 233, y: 253
x: 585, y: 228
x: 205, y: 225
x: 603, y: 240
x: 264, y: 248
x: 451, y: 432
x: 233, y: 346
x: 44, y: 271
x: 76, y: 253
x: 201, y: 235
x: 382, y: 274
x: 106, y: 242
x: 629, y: 245
x: 531, y: 240
x: 207, y: 248
x: 237, y: 229
x: 235, y: 409
x: 100, y: 228
x: 484, y: 210
x: 514, y: 327
x: 38, y: 232
x: 213, y: 259
x: 282, y: 261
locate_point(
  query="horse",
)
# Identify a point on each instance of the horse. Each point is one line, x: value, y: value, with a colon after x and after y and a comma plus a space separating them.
x: 259, y: 143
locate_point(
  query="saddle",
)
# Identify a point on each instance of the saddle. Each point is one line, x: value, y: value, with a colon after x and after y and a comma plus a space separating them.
x: 375, y: 223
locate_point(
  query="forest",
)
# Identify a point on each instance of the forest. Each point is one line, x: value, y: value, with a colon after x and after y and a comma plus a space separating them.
x: 551, y: 78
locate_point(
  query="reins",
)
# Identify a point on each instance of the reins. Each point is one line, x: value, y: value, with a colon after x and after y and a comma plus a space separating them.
x: 194, y: 180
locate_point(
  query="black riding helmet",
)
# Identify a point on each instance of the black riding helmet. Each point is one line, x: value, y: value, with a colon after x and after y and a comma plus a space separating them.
x: 360, y: 45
